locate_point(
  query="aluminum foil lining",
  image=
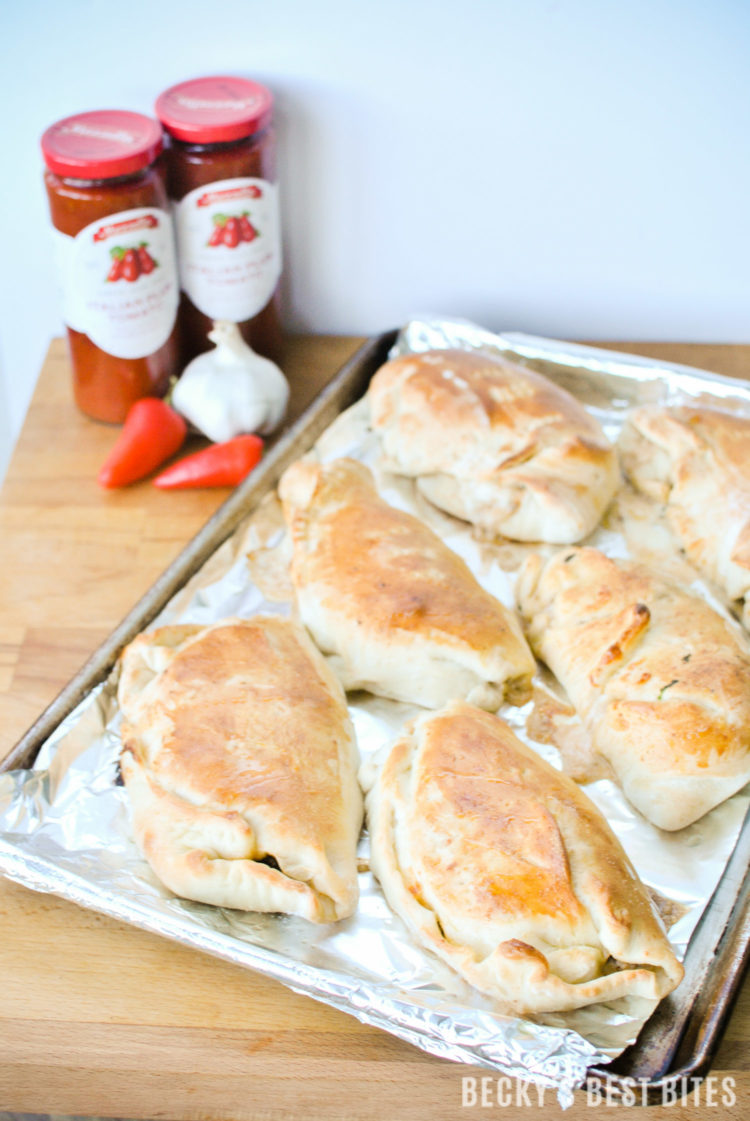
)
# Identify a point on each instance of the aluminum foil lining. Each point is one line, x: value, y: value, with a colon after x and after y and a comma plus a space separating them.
x: 65, y: 827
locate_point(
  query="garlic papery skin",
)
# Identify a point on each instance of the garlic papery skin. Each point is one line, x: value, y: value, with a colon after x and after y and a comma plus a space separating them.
x: 231, y: 390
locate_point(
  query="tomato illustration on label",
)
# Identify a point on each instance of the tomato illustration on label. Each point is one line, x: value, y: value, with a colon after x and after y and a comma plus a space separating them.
x: 128, y: 264
x: 145, y: 260
x: 130, y: 267
x: 232, y: 229
x: 217, y: 234
x: 232, y: 233
x: 248, y: 231
x: 115, y: 271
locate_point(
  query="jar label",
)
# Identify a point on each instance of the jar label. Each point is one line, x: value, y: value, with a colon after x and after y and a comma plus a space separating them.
x: 229, y: 247
x: 119, y: 281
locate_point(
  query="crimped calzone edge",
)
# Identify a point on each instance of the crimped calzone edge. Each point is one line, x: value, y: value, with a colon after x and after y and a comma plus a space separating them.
x: 505, y: 869
x: 697, y: 462
x: 240, y: 763
x: 660, y: 680
x: 394, y: 609
x: 495, y: 444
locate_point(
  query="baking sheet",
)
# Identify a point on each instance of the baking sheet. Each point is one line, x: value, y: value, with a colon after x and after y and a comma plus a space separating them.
x: 64, y: 824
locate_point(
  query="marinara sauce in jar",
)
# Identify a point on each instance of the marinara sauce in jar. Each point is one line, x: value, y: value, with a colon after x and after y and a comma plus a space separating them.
x: 221, y: 175
x: 114, y: 245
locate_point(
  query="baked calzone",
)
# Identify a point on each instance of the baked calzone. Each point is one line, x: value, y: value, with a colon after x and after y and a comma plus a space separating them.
x: 397, y: 612
x: 659, y: 678
x: 495, y: 444
x: 697, y: 461
x: 505, y: 869
x: 239, y: 760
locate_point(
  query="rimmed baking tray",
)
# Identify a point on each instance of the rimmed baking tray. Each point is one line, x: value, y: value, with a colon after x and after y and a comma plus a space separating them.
x: 345, y: 387
x: 678, y: 1042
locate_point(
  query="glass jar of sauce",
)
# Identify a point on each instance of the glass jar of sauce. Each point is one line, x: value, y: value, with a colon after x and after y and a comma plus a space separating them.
x: 221, y: 176
x: 114, y: 245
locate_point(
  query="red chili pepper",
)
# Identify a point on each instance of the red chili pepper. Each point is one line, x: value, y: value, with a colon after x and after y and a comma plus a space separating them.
x: 130, y: 266
x: 219, y: 465
x: 145, y: 260
x: 151, y: 433
x: 232, y: 233
x: 248, y: 231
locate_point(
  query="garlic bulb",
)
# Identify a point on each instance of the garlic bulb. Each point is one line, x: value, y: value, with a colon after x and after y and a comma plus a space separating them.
x: 231, y: 389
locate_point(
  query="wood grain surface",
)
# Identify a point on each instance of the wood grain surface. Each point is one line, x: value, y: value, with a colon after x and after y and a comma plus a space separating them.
x: 100, y: 1019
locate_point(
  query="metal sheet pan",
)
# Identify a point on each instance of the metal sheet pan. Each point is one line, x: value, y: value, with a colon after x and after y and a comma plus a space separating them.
x: 345, y: 387
x: 680, y: 1039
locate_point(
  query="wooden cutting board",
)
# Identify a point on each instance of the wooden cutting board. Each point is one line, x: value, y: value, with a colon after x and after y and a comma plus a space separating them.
x: 100, y: 1019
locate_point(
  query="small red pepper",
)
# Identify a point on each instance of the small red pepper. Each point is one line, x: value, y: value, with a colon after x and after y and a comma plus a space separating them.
x: 152, y: 432
x: 219, y: 465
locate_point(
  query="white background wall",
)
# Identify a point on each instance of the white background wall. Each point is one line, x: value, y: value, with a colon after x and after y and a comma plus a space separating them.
x: 567, y: 167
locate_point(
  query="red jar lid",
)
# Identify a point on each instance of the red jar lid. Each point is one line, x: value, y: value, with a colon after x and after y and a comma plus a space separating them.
x: 212, y: 110
x: 102, y: 144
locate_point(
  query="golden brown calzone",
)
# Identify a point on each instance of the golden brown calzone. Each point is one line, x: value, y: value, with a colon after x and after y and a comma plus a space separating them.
x: 239, y: 760
x: 507, y: 871
x: 660, y: 679
x: 395, y: 609
x: 697, y: 461
x: 495, y: 444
